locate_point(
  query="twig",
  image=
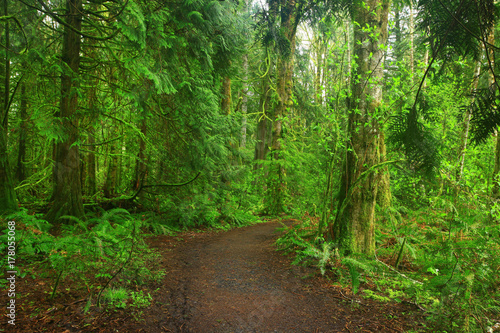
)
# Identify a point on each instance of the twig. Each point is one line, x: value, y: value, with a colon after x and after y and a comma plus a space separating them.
x: 394, y: 270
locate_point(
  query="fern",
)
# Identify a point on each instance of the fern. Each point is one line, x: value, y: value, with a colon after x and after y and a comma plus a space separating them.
x: 408, y: 134
x: 355, y: 265
x: 79, y: 222
x: 456, y: 26
x: 485, y: 117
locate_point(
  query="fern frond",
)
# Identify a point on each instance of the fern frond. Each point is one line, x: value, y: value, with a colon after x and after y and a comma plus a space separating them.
x: 456, y: 26
x: 408, y: 134
x: 78, y: 221
x: 485, y: 117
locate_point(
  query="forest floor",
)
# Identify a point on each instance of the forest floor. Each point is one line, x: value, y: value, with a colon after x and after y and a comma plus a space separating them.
x: 231, y: 281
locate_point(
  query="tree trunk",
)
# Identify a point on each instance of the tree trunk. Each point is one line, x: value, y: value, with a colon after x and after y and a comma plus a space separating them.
x: 466, y: 124
x: 384, y: 195
x: 412, y: 51
x: 398, y: 54
x: 8, y: 200
x: 320, y: 56
x: 353, y: 229
x: 263, y: 122
x: 112, y: 174
x: 244, y: 103
x: 491, y: 82
x: 141, y: 167
x: 284, y: 83
x: 90, y: 180
x: 23, y: 129
x: 68, y: 189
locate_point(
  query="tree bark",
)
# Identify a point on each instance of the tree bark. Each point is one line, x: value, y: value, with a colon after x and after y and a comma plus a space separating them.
x: 353, y: 229
x: 23, y: 133
x: 68, y: 189
x: 412, y: 47
x: 466, y: 124
x: 263, y: 121
x: 112, y: 174
x: 289, y: 21
x: 384, y: 195
x: 244, y: 103
x: 141, y: 167
x: 495, y: 191
x: 8, y: 200
x: 90, y: 180
x: 319, y: 70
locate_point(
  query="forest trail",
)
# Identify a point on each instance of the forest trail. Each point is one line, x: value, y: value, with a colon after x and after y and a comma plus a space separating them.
x: 236, y: 281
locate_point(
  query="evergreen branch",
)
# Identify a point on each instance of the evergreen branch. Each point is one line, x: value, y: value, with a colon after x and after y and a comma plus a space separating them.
x: 56, y: 18
x: 36, y: 183
x: 467, y: 29
x: 174, y: 185
x: 434, y: 56
x: 101, y: 143
x: 161, y: 185
x: 4, y: 121
x: 111, y: 18
x: 11, y: 17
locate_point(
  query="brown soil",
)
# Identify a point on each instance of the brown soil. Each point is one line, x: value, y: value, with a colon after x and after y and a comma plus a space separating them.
x: 229, y: 282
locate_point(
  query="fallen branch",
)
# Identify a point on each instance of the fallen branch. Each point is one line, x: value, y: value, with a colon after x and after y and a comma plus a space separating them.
x: 395, y: 270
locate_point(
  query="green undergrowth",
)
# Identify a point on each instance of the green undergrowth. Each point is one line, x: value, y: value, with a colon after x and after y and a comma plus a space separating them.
x: 106, y: 251
x: 442, y: 259
x: 106, y: 254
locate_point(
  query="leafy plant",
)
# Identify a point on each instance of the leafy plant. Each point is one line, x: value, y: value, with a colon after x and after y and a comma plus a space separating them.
x: 116, y: 297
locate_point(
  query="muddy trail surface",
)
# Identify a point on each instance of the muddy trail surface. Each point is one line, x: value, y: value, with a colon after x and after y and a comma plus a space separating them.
x: 236, y: 281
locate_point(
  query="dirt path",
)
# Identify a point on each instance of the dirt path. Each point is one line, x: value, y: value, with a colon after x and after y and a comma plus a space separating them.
x: 236, y: 282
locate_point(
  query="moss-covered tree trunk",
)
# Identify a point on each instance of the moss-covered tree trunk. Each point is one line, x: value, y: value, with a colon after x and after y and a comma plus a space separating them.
x: 8, y: 200
x: 353, y: 229
x: 23, y: 134
x: 320, y: 69
x: 67, y: 194
x: 244, y: 102
x: 263, y: 119
x: 284, y: 68
x: 90, y: 180
x: 466, y: 124
x: 111, y: 182
x: 384, y: 195
x: 491, y: 82
x: 141, y: 168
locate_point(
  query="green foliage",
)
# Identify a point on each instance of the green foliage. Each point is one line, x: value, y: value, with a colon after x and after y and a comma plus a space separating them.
x: 448, y: 264
x: 456, y: 27
x: 139, y: 300
x: 485, y: 116
x: 149, y: 114
x: 109, y: 247
x: 116, y: 297
x: 419, y: 145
